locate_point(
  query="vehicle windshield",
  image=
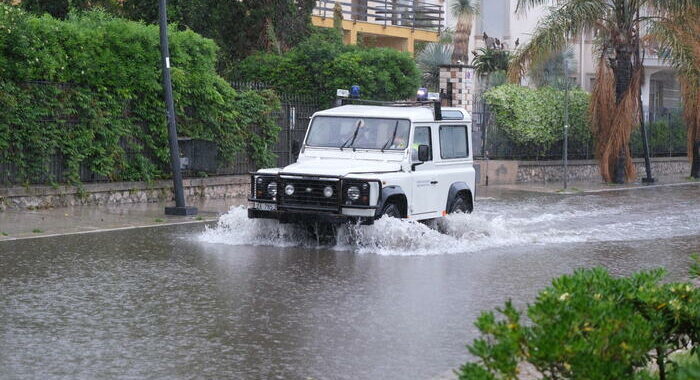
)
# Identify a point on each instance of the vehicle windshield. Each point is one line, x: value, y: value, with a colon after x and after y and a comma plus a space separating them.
x: 361, y: 133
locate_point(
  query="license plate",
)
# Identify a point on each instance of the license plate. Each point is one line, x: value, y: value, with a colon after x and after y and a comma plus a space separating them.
x: 266, y: 206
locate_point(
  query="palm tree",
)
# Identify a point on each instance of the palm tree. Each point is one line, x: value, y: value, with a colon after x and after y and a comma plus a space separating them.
x: 619, y: 25
x: 429, y: 60
x: 464, y: 11
x: 680, y: 34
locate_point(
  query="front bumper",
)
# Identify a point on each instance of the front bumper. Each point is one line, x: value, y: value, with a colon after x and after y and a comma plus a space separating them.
x: 308, y: 217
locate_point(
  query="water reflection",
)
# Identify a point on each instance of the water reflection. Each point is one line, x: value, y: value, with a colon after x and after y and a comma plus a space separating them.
x: 162, y: 303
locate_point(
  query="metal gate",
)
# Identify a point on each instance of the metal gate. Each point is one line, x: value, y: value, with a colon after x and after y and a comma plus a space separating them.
x: 294, y: 121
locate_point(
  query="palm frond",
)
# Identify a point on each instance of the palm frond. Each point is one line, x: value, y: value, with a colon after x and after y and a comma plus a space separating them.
x: 464, y: 8
x: 554, y: 31
x: 429, y: 60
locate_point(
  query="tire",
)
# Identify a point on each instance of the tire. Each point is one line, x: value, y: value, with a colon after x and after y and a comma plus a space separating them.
x: 460, y: 205
x: 391, y: 210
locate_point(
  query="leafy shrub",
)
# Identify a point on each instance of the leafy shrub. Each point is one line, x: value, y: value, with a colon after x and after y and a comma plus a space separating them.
x: 533, y: 118
x: 322, y: 63
x: 589, y: 325
x: 104, y: 97
x: 665, y: 135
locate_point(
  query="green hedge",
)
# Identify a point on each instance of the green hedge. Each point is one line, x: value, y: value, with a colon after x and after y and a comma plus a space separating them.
x: 113, y: 96
x: 590, y: 325
x: 322, y: 63
x: 533, y: 118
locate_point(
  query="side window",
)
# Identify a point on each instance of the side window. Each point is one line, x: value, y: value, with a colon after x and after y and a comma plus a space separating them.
x: 421, y: 137
x: 453, y: 141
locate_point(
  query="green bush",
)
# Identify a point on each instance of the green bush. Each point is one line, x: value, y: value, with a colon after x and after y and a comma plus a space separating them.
x: 665, y: 135
x: 590, y: 325
x: 533, y: 118
x: 86, y: 87
x: 322, y: 63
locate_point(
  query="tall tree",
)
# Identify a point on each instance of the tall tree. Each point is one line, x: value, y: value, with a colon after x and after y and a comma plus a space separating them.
x: 679, y: 32
x: 618, y: 25
x: 464, y: 11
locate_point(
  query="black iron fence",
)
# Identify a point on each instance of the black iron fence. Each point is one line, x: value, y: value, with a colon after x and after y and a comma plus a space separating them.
x: 666, y: 133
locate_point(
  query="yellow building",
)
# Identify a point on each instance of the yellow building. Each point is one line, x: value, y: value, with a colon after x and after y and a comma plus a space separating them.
x: 396, y: 24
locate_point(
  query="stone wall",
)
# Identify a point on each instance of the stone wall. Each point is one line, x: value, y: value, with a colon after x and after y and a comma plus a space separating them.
x: 583, y: 170
x: 122, y: 192
x: 503, y: 172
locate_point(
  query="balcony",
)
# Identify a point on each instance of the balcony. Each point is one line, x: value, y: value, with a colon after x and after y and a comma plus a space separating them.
x: 412, y: 14
x: 396, y: 24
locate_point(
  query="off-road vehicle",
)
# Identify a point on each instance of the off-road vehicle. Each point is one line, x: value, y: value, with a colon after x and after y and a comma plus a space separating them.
x: 361, y: 162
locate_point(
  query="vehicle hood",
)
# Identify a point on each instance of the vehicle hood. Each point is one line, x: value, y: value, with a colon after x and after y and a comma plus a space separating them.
x: 340, y: 167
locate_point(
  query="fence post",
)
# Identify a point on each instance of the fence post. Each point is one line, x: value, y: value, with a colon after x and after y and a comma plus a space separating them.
x: 291, y: 125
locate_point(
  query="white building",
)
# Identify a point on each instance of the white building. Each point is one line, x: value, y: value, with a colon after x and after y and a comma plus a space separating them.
x: 497, y: 18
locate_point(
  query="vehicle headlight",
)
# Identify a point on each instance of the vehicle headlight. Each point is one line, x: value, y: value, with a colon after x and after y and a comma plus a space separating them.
x: 289, y: 189
x: 272, y: 189
x: 353, y: 193
x: 327, y: 191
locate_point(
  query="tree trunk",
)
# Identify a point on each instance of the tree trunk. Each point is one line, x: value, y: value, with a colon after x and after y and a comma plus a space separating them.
x: 623, y: 78
x: 461, y: 41
x: 695, y: 169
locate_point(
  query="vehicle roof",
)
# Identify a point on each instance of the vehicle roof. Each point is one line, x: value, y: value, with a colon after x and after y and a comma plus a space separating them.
x: 411, y: 113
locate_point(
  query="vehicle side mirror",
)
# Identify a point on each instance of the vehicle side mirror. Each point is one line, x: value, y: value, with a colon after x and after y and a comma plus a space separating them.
x: 423, y: 153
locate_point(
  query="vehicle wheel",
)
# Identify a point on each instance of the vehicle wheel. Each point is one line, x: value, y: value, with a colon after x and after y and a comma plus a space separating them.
x: 460, y: 206
x: 391, y: 210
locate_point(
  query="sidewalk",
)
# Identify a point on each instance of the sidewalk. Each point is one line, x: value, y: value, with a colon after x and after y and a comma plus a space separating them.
x: 26, y: 224
x: 586, y: 187
x: 23, y: 224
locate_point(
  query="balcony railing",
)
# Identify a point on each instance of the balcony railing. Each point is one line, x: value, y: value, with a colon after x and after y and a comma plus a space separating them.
x: 414, y: 14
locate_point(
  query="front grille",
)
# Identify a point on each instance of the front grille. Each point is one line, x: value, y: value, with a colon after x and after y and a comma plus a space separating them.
x: 308, y: 194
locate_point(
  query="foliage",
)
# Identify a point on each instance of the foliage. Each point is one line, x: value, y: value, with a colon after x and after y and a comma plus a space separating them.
x: 429, y: 60
x: 489, y: 60
x: 321, y: 64
x: 88, y: 89
x: 618, y: 26
x: 590, y: 325
x: 679, y: 35
x: 234, y: 25
x: 534, y: 118
x: 552, y: 71
x: 666, y: 134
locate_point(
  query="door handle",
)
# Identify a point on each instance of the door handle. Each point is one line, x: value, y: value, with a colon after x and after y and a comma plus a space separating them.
x: 433, y: 182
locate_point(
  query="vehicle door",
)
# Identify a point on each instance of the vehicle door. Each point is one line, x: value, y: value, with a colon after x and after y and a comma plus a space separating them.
x: 423, y: 176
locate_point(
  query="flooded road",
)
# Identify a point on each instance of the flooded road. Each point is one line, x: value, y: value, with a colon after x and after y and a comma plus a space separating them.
x: 251, y: 299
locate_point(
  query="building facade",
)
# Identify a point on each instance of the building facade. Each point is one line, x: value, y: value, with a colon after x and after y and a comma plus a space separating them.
x: 396, y: 24
x: 498, y: 19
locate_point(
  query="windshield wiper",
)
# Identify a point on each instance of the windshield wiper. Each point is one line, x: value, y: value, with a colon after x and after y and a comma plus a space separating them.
x: 393, y: 136
x: 354, y: 135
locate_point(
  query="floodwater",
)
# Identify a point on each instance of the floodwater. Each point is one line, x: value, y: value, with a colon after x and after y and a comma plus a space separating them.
x: 254, y: 300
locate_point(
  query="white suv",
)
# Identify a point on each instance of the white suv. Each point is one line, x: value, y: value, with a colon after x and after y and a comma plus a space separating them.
x: 361, y: 162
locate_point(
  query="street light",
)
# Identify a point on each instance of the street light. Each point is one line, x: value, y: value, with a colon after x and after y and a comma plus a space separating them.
x: 180, y: 207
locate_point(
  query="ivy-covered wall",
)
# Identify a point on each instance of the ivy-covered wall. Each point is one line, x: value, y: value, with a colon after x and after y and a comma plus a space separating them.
x: 88, y: 88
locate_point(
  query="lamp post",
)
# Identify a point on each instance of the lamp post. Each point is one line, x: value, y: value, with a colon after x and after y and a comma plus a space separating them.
x: 180, y: 207
x: 565, y: 150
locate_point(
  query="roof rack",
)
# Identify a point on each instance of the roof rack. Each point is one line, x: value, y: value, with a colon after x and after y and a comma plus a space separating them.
x: 437, y: 110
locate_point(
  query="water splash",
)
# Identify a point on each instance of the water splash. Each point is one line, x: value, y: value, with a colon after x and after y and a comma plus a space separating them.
x: 496, y: 223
